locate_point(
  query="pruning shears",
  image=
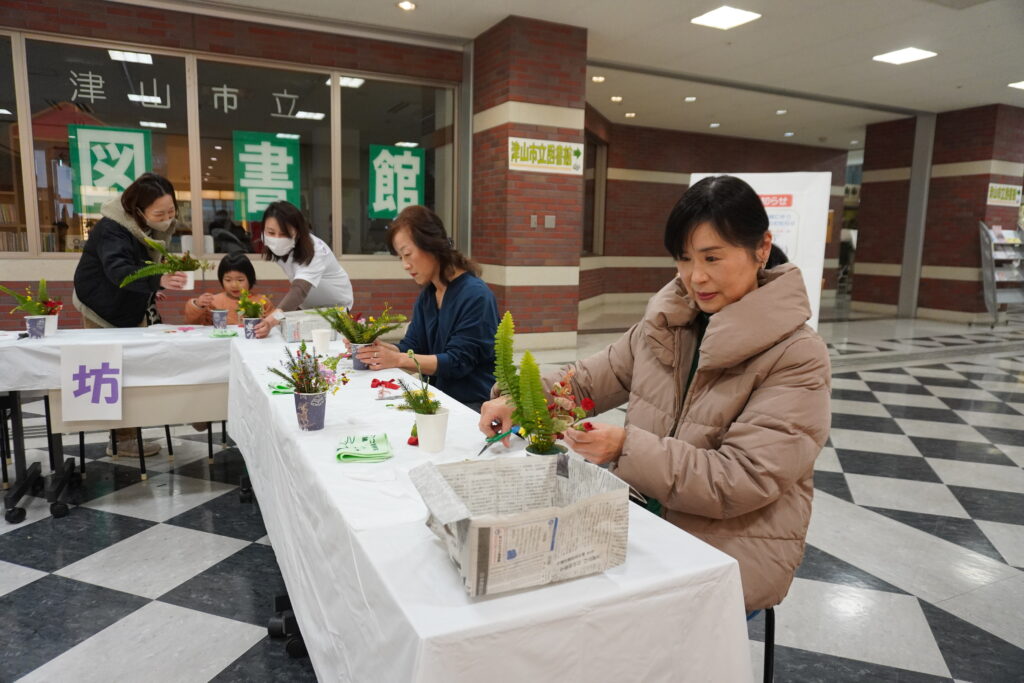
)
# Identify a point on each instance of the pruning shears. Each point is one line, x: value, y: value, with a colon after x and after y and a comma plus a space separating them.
x: 515, y: 430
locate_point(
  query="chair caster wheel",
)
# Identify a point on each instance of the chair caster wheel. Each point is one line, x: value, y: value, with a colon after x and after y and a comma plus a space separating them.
x: 281, y: 625
x: 296, y: 648
x: 15, y: 515
x: 58, y: 509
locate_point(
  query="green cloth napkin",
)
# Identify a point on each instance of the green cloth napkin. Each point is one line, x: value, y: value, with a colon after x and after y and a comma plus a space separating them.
x: 223, y: 333
x: 366, y: 448
x: 281, y: 389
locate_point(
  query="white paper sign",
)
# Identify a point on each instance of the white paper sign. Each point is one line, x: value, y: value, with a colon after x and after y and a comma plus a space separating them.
x: 1000, y: 194
x: 545, y: 156
x: 91, y: 382
x: 797, y: 206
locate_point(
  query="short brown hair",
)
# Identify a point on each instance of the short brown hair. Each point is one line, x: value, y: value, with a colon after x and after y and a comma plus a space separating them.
x: 141, y: 194
x: 290, y: 219
x: 428, y: 234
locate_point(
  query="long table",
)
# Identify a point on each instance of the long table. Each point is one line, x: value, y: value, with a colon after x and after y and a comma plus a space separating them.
x: 377, y: 598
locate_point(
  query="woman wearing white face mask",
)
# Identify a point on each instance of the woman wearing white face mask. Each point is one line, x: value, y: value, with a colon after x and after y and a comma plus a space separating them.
x: 117, y: 248
x: 317, y: 279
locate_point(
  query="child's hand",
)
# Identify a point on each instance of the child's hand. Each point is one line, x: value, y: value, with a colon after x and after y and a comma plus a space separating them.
x: 204, y: 300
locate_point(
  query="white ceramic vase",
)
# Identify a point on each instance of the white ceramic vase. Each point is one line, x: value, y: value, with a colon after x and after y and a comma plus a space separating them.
x: 431, y: 430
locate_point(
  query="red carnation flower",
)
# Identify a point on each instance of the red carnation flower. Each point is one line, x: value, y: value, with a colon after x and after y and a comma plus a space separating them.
x: 587, y: 404
x: 588, y: 426
x: 414, y: 441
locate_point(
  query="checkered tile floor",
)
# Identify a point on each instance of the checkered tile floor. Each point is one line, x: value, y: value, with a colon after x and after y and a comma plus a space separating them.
x: 914, y: 568
x: 918, y: 344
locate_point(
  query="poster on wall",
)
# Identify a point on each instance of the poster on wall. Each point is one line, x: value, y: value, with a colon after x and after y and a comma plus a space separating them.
x: 1001, y: 194
x: 266, y: 171
x: 797, y: 206
x: 396, y: 179
x: 91, y: 382
x: 104, y: 162
x: 545, y: 156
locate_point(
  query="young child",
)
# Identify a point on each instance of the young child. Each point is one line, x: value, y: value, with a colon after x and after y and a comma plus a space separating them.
x: 235, y: 273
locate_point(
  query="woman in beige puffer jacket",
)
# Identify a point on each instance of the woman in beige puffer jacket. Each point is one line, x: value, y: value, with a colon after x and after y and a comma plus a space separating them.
x: 723, y: 425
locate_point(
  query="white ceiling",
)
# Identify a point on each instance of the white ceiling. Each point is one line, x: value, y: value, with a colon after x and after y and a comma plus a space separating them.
x: 820, y: 48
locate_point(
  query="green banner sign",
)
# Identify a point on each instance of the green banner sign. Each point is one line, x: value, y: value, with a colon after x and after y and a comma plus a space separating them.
x: 104, y: 162
x: 266, y: 171
x: 396, y: 179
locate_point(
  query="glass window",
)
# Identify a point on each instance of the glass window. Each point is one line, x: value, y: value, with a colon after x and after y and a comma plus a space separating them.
x: 265, y: 136
x: 13, y: 236
x: 101, y: 118
x: 593, y: 202
x: 408, y: 129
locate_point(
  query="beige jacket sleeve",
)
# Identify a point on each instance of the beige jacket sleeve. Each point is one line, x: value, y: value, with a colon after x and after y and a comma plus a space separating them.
x: 770, y: 445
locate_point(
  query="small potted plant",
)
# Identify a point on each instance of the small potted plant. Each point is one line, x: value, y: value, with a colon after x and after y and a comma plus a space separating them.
x: 361, y: 331
x: 310, y: 378
x: 169, y: 263
x: 251, y: 310
x: 34, y: 306
x: 544, y: 416
x: 431, y: 418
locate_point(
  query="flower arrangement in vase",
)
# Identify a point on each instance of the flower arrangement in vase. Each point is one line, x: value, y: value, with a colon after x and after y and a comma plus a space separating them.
x: 431, y: 419
x: 360, y: 330
x: 251, y: 309
x: 311, y: 378
x: 40, y: 304
x: 543, y: 415
x: 169, y: 263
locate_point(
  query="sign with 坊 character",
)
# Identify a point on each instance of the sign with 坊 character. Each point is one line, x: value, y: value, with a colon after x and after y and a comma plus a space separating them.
x: 91, y: 382
x: 545, y: 156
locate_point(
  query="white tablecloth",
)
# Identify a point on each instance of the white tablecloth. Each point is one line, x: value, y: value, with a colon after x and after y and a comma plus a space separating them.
x: 153, y: 356
x: 378, y: 600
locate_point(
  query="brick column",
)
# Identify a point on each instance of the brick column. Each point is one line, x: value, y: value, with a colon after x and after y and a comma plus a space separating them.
x: 529, y: 81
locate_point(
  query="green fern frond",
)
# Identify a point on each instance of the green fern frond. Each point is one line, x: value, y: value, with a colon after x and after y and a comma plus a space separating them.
x: 42, y: 295
x: 534, y: 405
x: 148, y: 271
x: 504, y: 365
x: 160, y: 247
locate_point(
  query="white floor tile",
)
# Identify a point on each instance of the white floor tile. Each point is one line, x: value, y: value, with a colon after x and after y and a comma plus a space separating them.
x: 933, y: 372
x: 858, y: 408
x: 888, y: 377
x: 903, y: 494
x: 14, y: 576
x: 1009, y: 386
x: 1007, y: 538
x: 995, y: 607
x: 913, y: 560
x: 35, y: 509
x: 161, y: 497
x: 156, y: 643
x: 940, y: 430
x: 959, y: 392
x: 828, y: 461
x: 265, y: 540
x: 916, y: 400
x: 983, y: 419
x: 854, y: 439
x: 979, y: 475
x: 873, y: 626
x: 850, y: 384
x: 154, y: 561
x: 1015, y: 453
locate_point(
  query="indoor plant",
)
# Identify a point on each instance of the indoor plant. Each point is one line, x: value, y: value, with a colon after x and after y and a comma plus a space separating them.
x: 310, y: 377
x: 170, y: 263
x: 40, y: 304
x: 543, y: 416
x: 361, y: 331
x: 251, y: 310
x: 431, y: 418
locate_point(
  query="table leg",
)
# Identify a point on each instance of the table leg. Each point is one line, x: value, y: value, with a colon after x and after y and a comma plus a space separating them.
x: 25, y: 478
x: 142, y: 453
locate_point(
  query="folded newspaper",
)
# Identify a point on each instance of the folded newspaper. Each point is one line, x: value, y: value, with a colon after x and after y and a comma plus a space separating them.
x: 511, y: 523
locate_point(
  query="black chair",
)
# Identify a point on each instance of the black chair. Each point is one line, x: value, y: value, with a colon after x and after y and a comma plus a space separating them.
x: 769, y: 645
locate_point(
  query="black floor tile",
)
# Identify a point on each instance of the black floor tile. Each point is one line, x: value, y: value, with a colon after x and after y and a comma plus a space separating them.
x: 965, y: 451
x: 226, y: 516
x: 947, y: 382
x: 240, y: 587
x: 845, y: 375
x: 50, y: 616
x: 267, y: 660
x: 978, y: 406
x: 49, y: 544
x: 818, y: 565
x: 834, y: 483
x: 102, y: 478
x: 971, y: 653
x: 885, y: 465
x: 853, y: 395
x: 919, y: 413
x: 93, y: 451
x: 792, y: 664
x: 865, y: 423
x: 1008, y: 396
x: 963, y: 532
x: 227, y: 468
x: 892, y: 371
x: 899, y: 388
x: 991, y: 506
x: 1006, y: 437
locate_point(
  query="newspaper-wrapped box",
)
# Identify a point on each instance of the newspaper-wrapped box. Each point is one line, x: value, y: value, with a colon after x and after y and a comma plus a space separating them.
x: 511, y: 523
x: 299, y: 325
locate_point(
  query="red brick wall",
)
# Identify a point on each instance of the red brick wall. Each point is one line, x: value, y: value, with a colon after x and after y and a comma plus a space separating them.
x: 635, y: 215
x: 623, y: 280
x: 882, y: 221
x: 526, y: 60
x: 1009, y: 139
x: 596, y: 124
x: 889, y: 144
x: 965, y: 135
x: 950, y: 295
x: 540, y: 309
x: 876, y: 288
x: 116, y: 22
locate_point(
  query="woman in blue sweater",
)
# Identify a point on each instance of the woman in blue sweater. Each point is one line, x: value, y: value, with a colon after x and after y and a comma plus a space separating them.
x: 454, y: 319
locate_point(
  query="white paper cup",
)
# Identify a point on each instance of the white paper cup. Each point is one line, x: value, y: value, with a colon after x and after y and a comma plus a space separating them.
x: 431, y: 430
x: 190, y: 279
x: 322, y: 341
